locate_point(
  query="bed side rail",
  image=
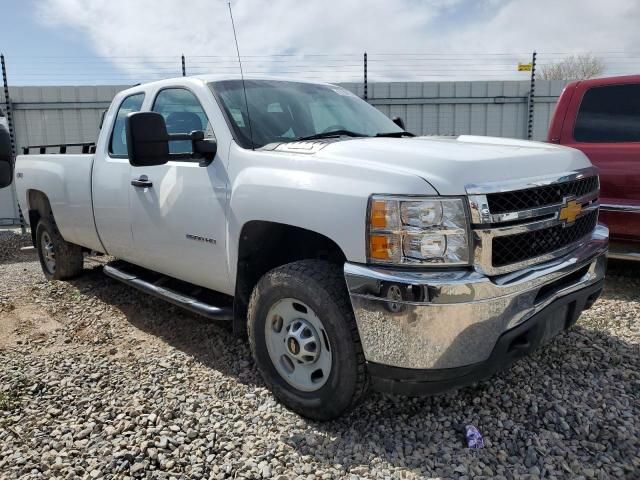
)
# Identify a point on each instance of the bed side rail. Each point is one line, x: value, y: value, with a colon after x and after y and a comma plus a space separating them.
x: 61, y: 147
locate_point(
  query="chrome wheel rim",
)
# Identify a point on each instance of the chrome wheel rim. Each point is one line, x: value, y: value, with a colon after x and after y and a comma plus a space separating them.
x: 298, y: 344
x: 48, y: 252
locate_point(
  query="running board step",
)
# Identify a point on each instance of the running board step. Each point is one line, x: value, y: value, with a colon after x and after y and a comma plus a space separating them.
x: 188, y: 296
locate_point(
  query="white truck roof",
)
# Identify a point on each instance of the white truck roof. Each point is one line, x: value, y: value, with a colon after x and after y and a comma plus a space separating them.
x: 216, y: 78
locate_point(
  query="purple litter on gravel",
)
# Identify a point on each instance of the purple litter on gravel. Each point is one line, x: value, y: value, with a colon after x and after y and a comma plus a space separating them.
x: 474, y: 438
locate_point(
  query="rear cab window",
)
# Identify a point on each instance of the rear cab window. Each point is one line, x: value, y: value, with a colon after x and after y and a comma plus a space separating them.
x: 118, y: 140
x: 609, y: 114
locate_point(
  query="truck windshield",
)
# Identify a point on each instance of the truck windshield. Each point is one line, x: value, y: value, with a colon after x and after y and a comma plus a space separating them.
x: 283, y: 111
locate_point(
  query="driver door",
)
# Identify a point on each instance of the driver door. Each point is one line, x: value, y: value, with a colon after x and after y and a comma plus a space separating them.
x: 178, y: 221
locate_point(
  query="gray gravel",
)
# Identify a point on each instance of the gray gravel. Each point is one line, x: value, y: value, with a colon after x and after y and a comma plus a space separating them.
x: 99, y: 381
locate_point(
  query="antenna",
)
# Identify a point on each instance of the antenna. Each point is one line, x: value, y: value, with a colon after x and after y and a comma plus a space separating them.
x: 244, y: 88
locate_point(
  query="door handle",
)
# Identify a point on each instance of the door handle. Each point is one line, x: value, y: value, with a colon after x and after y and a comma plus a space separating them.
x: 142, y: 182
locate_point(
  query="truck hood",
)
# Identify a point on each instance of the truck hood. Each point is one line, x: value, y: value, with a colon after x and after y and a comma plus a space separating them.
x: 449, y: 164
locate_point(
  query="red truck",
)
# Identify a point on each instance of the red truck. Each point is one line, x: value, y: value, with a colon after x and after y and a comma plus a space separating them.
x: 601, y: 117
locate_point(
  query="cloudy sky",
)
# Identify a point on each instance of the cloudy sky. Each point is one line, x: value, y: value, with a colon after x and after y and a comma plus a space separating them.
x: 123, y: 41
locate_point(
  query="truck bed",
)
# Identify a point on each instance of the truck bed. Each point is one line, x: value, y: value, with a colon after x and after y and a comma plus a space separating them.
x: 66, y: 181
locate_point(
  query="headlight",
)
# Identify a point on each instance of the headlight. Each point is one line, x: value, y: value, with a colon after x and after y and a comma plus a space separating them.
x: 407, y: 230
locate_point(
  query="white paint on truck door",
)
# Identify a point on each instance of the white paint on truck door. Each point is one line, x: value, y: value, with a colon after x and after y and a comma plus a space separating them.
x: 111, y: 181
x: 179, y: 223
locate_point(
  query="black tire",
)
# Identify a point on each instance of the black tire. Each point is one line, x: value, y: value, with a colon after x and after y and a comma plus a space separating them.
x: 321, y: 286
x: 69, y: 259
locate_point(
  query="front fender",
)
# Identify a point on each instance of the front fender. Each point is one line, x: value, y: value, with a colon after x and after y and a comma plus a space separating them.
x: 329, y: 198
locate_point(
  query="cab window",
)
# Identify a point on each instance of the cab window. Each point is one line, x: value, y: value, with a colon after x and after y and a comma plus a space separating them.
x: 118, y: 141
x: 182, y: 113
x: 609, y: 114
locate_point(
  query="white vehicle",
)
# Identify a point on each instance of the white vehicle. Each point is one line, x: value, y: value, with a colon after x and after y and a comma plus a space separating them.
x: 3, y: 120
x: 350, y: 252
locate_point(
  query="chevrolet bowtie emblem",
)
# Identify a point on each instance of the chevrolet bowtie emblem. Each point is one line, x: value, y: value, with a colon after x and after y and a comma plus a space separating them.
x: 570, y: 211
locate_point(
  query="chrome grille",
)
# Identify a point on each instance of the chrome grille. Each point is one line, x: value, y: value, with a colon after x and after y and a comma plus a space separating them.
x: 521, y: 223
x: 524, y: 246
x: 503, y: 202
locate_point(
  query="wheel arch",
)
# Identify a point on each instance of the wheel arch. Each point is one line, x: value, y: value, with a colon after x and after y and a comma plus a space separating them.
x: 38, y: 206
x: 265, y: 245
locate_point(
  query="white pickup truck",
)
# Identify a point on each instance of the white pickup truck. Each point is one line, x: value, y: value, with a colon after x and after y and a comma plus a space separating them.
x: 350, y: 252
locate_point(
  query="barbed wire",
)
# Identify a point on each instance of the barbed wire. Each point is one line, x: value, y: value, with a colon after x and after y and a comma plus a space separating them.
x: 338, y: 67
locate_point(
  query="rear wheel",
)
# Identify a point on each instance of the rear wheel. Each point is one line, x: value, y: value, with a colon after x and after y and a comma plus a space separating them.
x: 304, y: 339
x: 60, y: 260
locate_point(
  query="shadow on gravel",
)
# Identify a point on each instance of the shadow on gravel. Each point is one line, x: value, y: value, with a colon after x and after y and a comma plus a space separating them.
x: 209, y: 342
x: 561, y: 396
x: 564, y: 393
x: 21, y: 257
x: 623, y: 268
x: 623, y: 280
x: 11, y: 241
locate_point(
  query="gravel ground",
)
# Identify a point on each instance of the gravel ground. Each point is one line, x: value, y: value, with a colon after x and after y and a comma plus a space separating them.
x: 97, y: 380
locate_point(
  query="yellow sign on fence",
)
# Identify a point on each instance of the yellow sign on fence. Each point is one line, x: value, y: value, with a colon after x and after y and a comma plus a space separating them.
x: 524, y: 67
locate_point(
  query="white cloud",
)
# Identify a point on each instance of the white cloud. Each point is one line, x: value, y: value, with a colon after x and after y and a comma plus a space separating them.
x: 150, y: 29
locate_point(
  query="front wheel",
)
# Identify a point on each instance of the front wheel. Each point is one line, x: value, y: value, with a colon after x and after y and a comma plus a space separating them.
x: 60, y: 260
x: 304, y: 339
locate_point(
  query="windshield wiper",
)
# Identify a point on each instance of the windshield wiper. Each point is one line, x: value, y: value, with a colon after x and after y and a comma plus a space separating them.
x: 395, y: 134
x: 332, y: 134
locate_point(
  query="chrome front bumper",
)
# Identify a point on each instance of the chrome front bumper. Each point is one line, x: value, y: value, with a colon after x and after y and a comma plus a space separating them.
x: 453, y: 318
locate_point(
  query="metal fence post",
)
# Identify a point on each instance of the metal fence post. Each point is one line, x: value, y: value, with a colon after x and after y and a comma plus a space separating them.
x: 366, y: 93
x: 7, y: 103
x: 530, y: 103
x: 9, y: 109
x: 184, y: 67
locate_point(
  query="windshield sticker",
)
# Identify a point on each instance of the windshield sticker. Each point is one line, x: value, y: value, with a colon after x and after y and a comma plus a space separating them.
x: 275, y: 108
x: 342, y: 91
x: 237, y: 116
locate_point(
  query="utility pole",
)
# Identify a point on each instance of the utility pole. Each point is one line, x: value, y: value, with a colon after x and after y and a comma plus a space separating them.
x: 530, y: 103
x: 184, y: 67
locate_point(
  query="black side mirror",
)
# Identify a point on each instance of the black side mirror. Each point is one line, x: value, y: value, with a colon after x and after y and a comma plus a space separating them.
x: 399, y: 122
x: 147, y: 139
x: 6, y: 158
x: 206, y: 148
